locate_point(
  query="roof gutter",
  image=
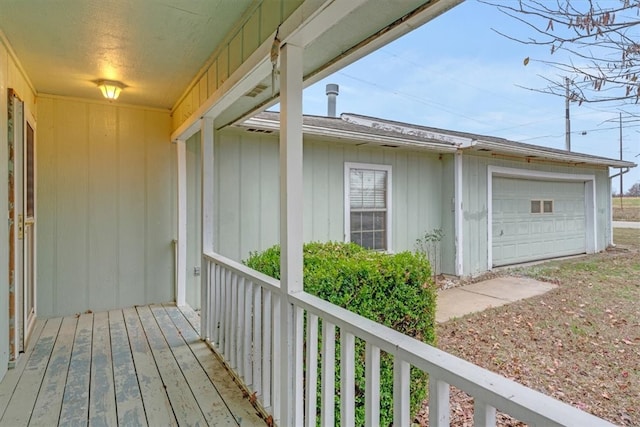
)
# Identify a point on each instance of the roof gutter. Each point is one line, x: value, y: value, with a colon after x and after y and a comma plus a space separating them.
x: 274, y: 125
x: 620, y: 173
x: 542, y: 153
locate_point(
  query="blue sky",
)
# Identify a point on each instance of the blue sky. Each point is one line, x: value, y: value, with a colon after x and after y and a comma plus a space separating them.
x: 456, y: 73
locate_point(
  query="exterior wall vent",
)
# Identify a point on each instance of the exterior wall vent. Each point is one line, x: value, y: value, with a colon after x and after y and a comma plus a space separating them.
x: 259, y: 130
x: 256, y: 91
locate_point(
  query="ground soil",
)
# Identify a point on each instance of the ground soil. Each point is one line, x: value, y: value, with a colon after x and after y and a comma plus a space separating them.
x: 579, y: 343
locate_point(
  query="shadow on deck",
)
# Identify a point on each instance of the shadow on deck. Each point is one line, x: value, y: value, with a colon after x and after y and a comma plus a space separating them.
x: 136, y: 366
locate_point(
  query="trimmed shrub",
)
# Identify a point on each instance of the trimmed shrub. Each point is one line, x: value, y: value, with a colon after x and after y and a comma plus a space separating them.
x: 392, y: 289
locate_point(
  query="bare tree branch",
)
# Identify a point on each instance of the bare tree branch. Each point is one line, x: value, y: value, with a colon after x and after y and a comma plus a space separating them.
x: 605, y: 42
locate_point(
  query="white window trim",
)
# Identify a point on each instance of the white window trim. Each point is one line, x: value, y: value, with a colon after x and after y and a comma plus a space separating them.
x: 589, y: 199
x: 347, y: 203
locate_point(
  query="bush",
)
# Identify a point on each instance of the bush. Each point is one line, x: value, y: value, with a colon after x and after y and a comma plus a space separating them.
x: 392, y: 289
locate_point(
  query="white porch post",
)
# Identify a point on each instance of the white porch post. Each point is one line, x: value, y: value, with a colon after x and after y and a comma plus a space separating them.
x: 207, y: 218
x: 291, y: 202
x: 181, y: 264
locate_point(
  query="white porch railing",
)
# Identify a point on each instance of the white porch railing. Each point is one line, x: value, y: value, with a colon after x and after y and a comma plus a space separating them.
x: 240, y: 320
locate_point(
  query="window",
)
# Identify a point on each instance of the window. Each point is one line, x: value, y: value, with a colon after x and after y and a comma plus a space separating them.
x: 535, y: 206
x: 541, y: 206
x: 367, y: 212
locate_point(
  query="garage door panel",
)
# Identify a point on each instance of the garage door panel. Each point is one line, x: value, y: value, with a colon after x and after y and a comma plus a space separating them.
x: 519, y: 235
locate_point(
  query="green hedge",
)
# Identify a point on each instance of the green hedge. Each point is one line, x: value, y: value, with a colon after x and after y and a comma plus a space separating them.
x: 392, y: 289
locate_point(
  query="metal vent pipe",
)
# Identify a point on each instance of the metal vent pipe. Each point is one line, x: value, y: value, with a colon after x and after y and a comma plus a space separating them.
x: 332, y: 93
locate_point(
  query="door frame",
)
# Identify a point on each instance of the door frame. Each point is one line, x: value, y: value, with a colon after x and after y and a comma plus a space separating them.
x: 21, y: 320
x: 30, y: 230
x: 589, y: 198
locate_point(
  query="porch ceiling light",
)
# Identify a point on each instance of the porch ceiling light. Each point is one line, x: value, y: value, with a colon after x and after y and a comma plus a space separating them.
x: 110, y: 89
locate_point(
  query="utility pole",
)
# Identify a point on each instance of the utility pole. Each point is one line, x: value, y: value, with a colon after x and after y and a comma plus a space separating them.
x: 621, y: 207
x: 567, y: 142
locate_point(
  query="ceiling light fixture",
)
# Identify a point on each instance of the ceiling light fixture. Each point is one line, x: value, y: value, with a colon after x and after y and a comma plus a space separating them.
x: 110, y: 89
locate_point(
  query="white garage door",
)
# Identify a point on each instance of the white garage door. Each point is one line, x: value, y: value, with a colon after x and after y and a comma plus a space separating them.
x: 535, y: 220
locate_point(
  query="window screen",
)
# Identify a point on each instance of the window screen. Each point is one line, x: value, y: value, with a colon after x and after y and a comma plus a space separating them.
x: 368, y: 208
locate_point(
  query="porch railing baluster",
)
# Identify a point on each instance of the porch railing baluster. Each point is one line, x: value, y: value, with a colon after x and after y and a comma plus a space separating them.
x: 400, y: 392
x: 312, y: 370
x: 266, y: 348
x: 246, y: 332
x: 239, y: 330
x: 372, y: 384
x: 327, y: 403
x: 257, y: 358
x: 217, y: 293
x: 483, y: 415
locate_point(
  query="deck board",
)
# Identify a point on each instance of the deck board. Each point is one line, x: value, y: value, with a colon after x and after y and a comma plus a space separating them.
x: 13, y: 375
x: 184, y: 319
x: 26, y: 389
x: 75, y: 402
x: 102, y: 398
x: 152, y: 389
x: 185, y: 406
x: 213, y: 409
x: 142, y: 366
x: 49, y: 402
x: 130, y: 409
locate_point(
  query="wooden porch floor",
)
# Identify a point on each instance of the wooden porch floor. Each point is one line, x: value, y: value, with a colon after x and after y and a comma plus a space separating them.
x: 135, y: 367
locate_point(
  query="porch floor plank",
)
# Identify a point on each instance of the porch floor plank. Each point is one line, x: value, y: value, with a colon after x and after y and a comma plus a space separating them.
x: 185, y: 318
x: 49, y: 402
x: 185, y: 406
x: 13, y: 375
x: 209, y: 401
x: 128, y: 397
x: 21, y: 384
x: 102, y: 398
x: 152, y: 389
x: 75, y: 402
x: 142, y: 366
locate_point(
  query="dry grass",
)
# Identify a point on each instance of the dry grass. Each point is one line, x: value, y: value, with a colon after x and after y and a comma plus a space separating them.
x: 626, y: 209
x: 579, y: 343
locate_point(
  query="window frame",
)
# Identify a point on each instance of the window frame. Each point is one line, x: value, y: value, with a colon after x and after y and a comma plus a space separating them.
x: 541, y: 205
x: 348, y: 166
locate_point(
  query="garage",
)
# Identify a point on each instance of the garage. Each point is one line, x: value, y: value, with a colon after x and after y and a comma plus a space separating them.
x: 536, y: 219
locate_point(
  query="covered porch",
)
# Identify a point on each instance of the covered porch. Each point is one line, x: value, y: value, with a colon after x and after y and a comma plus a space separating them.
x: 143, y: 365
x: 112, y: 197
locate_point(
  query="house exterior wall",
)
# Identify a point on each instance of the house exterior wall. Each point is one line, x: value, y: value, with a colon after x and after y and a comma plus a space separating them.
x: 475, y: 209
x: 11, y: 77
x: 246, y: 174
x: 106, y: 206
x: 448, y: 243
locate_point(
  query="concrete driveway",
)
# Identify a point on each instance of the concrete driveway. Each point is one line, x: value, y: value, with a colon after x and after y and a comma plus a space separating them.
x: 457, y: 302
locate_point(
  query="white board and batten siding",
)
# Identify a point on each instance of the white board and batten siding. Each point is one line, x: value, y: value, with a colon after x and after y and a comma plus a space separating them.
x: 484, y: 209
x: 247, y: 191
x: 106, y: 205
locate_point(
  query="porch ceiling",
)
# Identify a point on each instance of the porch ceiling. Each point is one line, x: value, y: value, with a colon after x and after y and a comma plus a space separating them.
x: 155, y: 47
x: 158, y: 47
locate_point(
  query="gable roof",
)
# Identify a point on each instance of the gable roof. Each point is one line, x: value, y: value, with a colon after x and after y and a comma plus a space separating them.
x: 388, y: 133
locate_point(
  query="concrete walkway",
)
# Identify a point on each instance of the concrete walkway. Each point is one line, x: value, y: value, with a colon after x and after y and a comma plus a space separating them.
x: 457, y: 302
x: 626, y: 224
